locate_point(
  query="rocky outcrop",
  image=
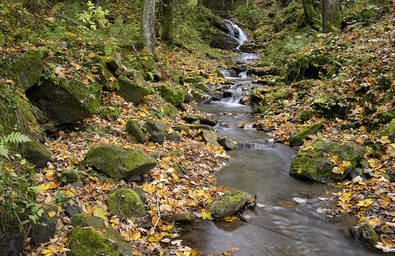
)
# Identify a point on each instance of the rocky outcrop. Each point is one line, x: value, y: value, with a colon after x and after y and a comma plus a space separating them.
x: 134, y: 130
x: 119, y: 163
x: 228, y: 204
x: 158, y: 131
x: 27, y: 69
x: 319, y: 161
x: 125, y: 202
x: 63, y: 102
x: 222, y: 40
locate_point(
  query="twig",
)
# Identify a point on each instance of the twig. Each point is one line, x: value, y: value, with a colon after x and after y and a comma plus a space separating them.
x: 157, y: 205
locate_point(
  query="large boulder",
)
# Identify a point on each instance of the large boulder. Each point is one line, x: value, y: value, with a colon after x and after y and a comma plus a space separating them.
x: 228, y: 204
x: 63, y: 102
x: 159, y: 131
x: 27, y: 69
x: 90, y: 237
x: 319, y: 161
x: 119, y: 163
x: 297, y: 138
x: 210, y: 137
x: 222, y: 40
x: 125, y: 202
x: 172, y: 95
x: 36, y: 153
x: 133, y: 91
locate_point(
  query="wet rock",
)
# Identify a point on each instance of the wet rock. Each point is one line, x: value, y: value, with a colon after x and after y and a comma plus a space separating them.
x: 210, y: 137
x: 222, y: 40
x: 228, y: 204
x: 200, y: 120
x: 227, y: 94
x: 227, y: 143
x: 125, y: 202
x: 65, y: 103
x: 297, y: 138
x: 248, y: 46
x: 258, y: 72
x: 90, y: 237
x: 134, y: 130
x: 315, y: 163
x: 172, y: 95
x: 182, y: 217
x: 36, y: 153
x: 133, y: 91
x: 366, y: 233
x: 71, y: 208
x: 191, y: 119
x: 45, y: 227
x: 27, y: 69
x: 119, y: 163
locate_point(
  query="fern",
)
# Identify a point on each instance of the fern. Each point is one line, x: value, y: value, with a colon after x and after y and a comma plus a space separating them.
x: 14, y: 137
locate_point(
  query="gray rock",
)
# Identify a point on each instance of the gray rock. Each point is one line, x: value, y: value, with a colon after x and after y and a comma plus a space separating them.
x: 36, y: 153
x: 210, y: 137
x: 119, y: 163
x: 222, y: 40
x: 228, y: 204
x: 133, y: 91
x: 69, y: 176
x: 134, y: 130
x: 157, y: 137
x: 46, y: 226
x: 71, y: 208
x: 226, y: 143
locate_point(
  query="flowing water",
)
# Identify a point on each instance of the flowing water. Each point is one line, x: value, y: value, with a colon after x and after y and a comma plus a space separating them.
x: 288, y: 219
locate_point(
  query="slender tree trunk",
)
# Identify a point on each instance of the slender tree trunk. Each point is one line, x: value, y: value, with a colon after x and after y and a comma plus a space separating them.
x: 309, y: 11
x: 168, y: 20
x: 148, y: 25
x: 330, y: 15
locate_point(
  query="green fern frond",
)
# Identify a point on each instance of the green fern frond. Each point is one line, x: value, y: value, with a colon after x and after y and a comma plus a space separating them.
x: 14, y: 137
x: 3, y: 151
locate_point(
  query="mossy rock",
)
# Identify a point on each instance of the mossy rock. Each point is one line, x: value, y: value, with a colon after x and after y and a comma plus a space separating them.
x: 133, y: 91
x: 331, y: 107
x: 172, y: 95
x: 85, y: 222
x: 27, y: 69
x: 391, y: 128
x: 297, y: 138
x: 134, y: 130
x: 36, y: 153
x: 69, y: 176
x: 169, y: 110
x: 151, y: 127
x: 315, y: 163
x: 110, y: 112
x: 46, y: 226
x: 119, y: 163
x: 107, y: 79
x: 283, y: 94
x: 306, y: 115
x: 210, y: 137
x: 125, y: 202
x: 65, y: 103
x: 228, y: 204
x: 367, y: 234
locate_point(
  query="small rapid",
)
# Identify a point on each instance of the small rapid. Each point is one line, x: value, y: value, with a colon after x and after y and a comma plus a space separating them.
x: 288, y: 219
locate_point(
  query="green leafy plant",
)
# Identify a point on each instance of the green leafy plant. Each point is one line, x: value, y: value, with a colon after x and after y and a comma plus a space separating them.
x: 94, y: 17
x: 14, y: 137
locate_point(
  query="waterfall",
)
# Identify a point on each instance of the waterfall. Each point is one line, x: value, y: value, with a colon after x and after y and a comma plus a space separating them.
x: 242, y: 36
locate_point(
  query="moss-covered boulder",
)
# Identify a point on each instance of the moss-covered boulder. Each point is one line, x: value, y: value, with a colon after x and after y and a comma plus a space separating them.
x: 82, y: 243
x: 133, y: 91
x: 69, y: 176
x: 27, y: 69
x: 125, y: 202
x: 319, y: 161
x: 63, y: 102
x: 36, y: 153
x: 45, y: 228
x: 305, y: 115
x: 134, y: 130
x: 228, y: 204
x: 297, y: 138
x: 172, y: 95
x: 119, y: 163
x: 283, y: 94
x: 158, y: 130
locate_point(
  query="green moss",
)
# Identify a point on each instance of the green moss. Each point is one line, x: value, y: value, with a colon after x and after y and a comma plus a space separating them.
x: 315, y: 162
x: 306, y: 115
x: 65, y: 103
x: 119, y: 163
x: 283, y: 94
x: 134, y: 130
x: 110, y: 112
x: 369, y: 235
x: 391, y: 127
x: 87, y: 242
x: 297, y: 139
x: 228, y: 204
x: 125, y: 202
x: 27, y: 69
x: 172, y: 95
x: 133, y: 91
x: 36, y: 153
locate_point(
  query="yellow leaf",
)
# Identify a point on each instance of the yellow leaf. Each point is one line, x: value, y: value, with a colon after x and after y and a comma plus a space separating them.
x: 365, y: 203
x: 374, y: 221
x: 51, y: 214
x: 230, y: 219
x: 206, y: 215
x: 136, y: 236
x: 101, y: 213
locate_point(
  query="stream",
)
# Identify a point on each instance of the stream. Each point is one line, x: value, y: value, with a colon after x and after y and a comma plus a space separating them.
x: 289, y: 216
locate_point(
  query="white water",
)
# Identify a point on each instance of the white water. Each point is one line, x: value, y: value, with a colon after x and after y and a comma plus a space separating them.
x: 242, y: 36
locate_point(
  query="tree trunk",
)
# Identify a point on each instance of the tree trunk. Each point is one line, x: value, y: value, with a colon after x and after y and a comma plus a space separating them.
x: 168, y: 21
x: 309, y: 11
x: 148, y: 25
x: 330, y: 15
